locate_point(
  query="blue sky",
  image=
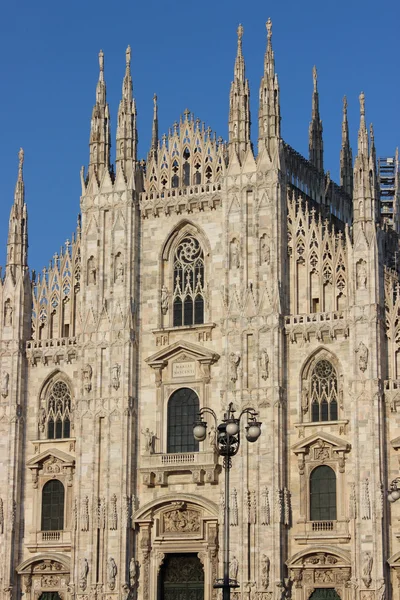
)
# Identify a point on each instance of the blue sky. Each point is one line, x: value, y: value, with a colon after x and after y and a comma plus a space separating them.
x: 183, y: 51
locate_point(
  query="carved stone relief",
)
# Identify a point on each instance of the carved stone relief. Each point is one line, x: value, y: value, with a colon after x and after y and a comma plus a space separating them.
x: 181, y: 519
x: 87, y: 377
x: 5, y: 379
x: 362, y: 352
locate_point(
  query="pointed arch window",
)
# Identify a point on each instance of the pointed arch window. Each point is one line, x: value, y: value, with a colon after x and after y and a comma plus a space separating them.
x: 188, y: 297
x: 58, y: 415
x: 323, y: 494
x: 53, y: 506
x: 324, y: 392
x: 183, y: 408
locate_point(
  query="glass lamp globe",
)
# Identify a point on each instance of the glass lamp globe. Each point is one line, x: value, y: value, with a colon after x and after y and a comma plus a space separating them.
x: 232, y: 427
x: 200, y: 431
x: 253, y: 431
x: 395, y: 495
x: 390, y: 497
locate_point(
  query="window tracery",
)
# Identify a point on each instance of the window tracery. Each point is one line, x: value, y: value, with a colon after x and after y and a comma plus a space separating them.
x: 58, y: 414
x: 188, y: 283
x: 324, y: 392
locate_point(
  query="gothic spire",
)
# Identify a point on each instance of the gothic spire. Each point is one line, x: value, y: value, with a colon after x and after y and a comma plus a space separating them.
x: 269, y: 107
x: 239, y: 104
x: 100, y: 140
x: 126, y: 129
x: 17, y: 243
x: 315, y: 142
x: 154, y: 131
x: 346, y: 155
x: 366, y: 193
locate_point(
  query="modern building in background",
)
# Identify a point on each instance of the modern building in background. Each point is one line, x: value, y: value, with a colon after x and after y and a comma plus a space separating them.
x: 210, y: 273
x: 388, y: 170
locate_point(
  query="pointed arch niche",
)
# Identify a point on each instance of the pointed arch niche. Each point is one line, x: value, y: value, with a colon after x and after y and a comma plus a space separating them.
x: 184, y: 273
x: 177, y: 524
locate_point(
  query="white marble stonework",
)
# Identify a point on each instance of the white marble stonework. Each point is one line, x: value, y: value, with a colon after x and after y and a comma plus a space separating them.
x: 226, y: 275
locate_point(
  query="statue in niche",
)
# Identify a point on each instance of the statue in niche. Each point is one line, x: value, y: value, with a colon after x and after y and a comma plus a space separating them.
x: 362, y: 352
x: 115, y: 374
x: 87, y: 377
x: 361, y: 275
x: 164, y: 300
x: 234, y: 361
x: 235, y: 254
x: 265, y: 250
x: 149, y: 441
x: 111, y: 573
x: 8, y: 313
x: 83, y: 573
x: 265, y: 567
x: 5, y: 380
x: 119, y: 269
x: 133, y: 572
x: 264, y: 363
x: 42, y: 419
x: 367, y: 562
x: 91, y: 269
x: 233, y: 568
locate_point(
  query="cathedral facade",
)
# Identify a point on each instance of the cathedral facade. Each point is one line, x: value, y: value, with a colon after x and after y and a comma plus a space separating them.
x: 211, y: 273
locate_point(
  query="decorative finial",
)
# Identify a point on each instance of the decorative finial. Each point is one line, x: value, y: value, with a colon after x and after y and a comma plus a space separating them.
x: 268, y: 25
x: 101, y: 61
x: 362, y: 104
x: 240, y: 33
x: 186, y: 112
x: 21, y: 163
x: 344, y: 104
x: 315, y: 77
x: 371, y: 132
x: 128, y: 56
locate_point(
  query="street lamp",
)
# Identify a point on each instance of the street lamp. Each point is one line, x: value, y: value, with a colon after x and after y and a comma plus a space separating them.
x: 393, y: 491
x: 227, y: 444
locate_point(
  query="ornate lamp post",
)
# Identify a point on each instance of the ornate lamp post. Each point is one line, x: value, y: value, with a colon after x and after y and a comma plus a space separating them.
x: 227, y: 444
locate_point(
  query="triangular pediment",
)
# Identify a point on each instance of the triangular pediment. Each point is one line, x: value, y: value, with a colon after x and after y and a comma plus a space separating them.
x: 337, y: 444
x: 48, y: 455
x: 192, y: 351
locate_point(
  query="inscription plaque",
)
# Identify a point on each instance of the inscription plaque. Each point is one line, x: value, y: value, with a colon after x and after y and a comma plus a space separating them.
x: 183, y: 369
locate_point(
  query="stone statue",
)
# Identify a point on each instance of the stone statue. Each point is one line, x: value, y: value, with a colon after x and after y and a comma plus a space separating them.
x: 83, y: 573
x: 362, y: 352
x: 149, y: 441
x: 8, y: 313
x: 91, y: 276
x: 361, y: 275
x: 87, y: 377
x: 235, y: 254
x: 5, y: 380
x: 133, y: 572
x: 265, y: 567
x: 367, y: 562
x: 164, y: 300
x: 111, y: 573
x: 234, y: 361
x: 233, y: 568
x: 265, y: 251
x: 212, y: 437
x: 119, y: 270
x: 116, y: 371
x: 42, y: 418
x: 264, y: 362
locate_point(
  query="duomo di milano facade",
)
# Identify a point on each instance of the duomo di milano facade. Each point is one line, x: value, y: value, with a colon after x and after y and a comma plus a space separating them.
x: 209, y: 274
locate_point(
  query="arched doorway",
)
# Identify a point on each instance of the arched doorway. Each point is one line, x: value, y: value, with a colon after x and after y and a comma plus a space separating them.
x: 50, y: 596
x: 325, y: 594
x: 181, y: 576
